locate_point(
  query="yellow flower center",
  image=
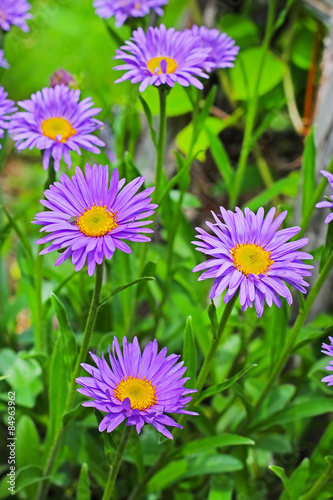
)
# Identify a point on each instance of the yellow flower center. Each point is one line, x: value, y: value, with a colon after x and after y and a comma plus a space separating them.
x: 53, y: 127
x: 251, y: 258
x: 154, y: 65
x: 140, y: 392
x: 97, y: 221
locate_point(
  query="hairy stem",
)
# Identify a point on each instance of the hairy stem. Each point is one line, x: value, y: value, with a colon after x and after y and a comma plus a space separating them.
x: 116, y: 464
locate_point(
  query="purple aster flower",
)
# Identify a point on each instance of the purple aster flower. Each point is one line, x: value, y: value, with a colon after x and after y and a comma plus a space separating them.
x: 327, y: 203
x: 123, y: 9
x: 223, y: 50
x: 14, y: 12
x: 141, y: 388
x: 90, y: 217
x: 6, y: 108
x: 62, y: 76
x: 252, y: 257
x: 57, y: 123
x: 328, y: 349
x: 3, y: 61
x: 163, y: 57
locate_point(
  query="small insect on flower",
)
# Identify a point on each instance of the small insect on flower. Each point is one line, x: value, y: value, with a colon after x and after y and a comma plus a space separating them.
x: 139, y: 387
x: 90, y: 216
x: 73, y: 220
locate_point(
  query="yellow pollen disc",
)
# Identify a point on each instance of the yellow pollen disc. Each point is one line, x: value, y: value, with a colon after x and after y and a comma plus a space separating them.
x: 140, y: 392
x: 97, y: 221
x: 53, y: 127
x: 251, y: 258
x: 154, y: 65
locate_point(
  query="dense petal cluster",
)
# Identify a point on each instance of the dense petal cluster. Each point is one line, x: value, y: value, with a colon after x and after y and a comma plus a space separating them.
x: 6, y: 108
x: 14, y: 12
x: 3, y: 61
x: 327, y: 203
x: 62, y: 76
x: 163, y: 56
x: 251, y: 256
x: 328, y: 349
x: 90, y: 217
x: 223, y: 50
x: 123, y: 9
x: 55, y: 122
x: 139, y: 387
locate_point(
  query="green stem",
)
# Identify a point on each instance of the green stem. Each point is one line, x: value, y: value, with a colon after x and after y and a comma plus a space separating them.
x: 319, y: 484
x: 312, y: 205
x: 252, y: 110
x: 87, y: 334
x: 40, y: 340
x: 72, y: 391
x: 163, y: 92
x: 116, y: 464
x: 295, y: 331
x: 206, y: 367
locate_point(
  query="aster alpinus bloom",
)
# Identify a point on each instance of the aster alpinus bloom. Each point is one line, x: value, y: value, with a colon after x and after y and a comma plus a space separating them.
x: 251, y: 256
x: 328, y: 349
x: 327, y: 203
x: 121, y: 10
x: 7, y: 106
x: 3, y: 61
x: 90, y: 217
x: 223, y: 50
x: 140, y: 387
x: 14, y: 12
x: 55, y: 122
x: 163, y: 57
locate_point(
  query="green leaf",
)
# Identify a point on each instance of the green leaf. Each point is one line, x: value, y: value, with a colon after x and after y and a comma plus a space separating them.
x: 206, y: 444
x: 277, y: 327
x: 226, y: 384
x: 150, y: 120
x: 28, y: 445
x: 193, y: 467
x: 299, y: 478
x: 74, y: 414
x: 23, y: 238
x: 242, y: 29
x: 328, y: 248
x: 67, y: 335
x: 202, y: 143
x: 168, y: 475
x: 27, y: 449
x: 83, y: 491
x: 302, y: 48
x: 221, y: 159
x: 214, y: 323
x: 190, y: 353
x: 26, y: 476
x: 286, y: 185
x: 311, y: 332
x: 308, y: 171
x: 300, y: 410
x: 276, y: 400
x: 58, y: 391
x: 121, y: 288
x: 244, y: 76
x: 20, y: 373
x: 212, y: 464
x: 280, y: 472
x: 221, y: 489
